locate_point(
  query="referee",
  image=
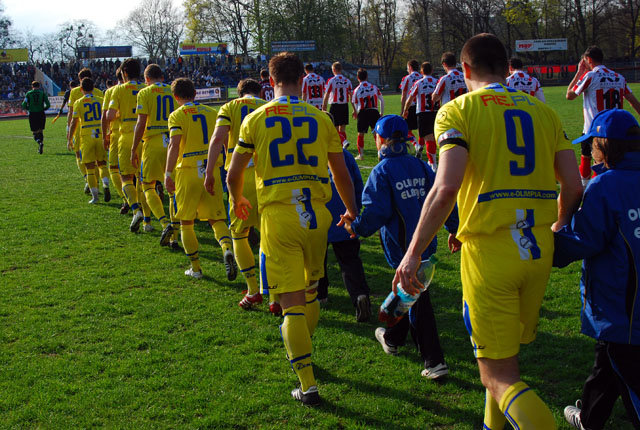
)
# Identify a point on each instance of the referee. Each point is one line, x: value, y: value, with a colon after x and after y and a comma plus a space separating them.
x: 36, y: 102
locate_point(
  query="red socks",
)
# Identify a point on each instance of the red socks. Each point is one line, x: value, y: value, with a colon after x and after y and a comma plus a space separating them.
x: 585, y: 167
x: 360, y: 143
x: 431, y: 150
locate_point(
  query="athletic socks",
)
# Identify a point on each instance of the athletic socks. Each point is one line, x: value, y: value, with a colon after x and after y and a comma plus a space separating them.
x: 155, y: 204
x: 431, y: 151
x: 175, y: 223
x: 585, y: 167
x: 223, y: 235
x: 343, y: 136
x: 524, y: 409
x: 190, y: 244
x: 312, y: 309
x: 360, y: 144
x: 246, y: 261
x: 494, y: 419
x: 297, y: 342
x: 114, y: 174
x: 146, y: 210
x: 81, y: 166
x: 131, y: 194
x: 91, y: 178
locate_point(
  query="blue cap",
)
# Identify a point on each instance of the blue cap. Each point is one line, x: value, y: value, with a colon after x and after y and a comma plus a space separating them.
x: 388, y: 125
x: 612, y: 124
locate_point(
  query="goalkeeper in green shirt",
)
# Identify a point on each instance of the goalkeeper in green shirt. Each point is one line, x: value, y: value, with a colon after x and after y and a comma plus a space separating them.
x: 36, y: 102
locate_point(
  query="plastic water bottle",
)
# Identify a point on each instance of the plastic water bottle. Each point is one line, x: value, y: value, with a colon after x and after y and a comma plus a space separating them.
x: 395, y: 306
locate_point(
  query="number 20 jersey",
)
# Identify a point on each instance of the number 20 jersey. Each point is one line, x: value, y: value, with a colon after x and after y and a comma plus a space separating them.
x: 512, y: 139
x: 290, y: 140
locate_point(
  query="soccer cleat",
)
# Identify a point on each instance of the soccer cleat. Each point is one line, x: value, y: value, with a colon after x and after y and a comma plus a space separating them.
x: 419, y: 149
x: 193, y: 274
x: 136, y: 221
x: 124, y: 209
x: 572, y: 415
x: 363, y: 308
x: 254, y: 239
x: 40, y: 147
x: 391, y: 350
x: 436, y: 372
x: 87, y: 190
x: 160, y: 190
x: 93, y: 201
x: 107, y: 194
x: 359, y: 157
x: 311, y: 397
x: 434, y: 167
x: 585, y: 182
x: 230, y: 265
x: 323, y: 301
x: 165, y: 237
x: 275, y: 309
x: 345, y: 144
x: 147, y: 228
x: 248, y: 301
x: 174, y: 245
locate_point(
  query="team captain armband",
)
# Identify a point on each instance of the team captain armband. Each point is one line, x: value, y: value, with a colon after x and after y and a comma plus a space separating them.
x: 243, y: 144
x: 452, y: 137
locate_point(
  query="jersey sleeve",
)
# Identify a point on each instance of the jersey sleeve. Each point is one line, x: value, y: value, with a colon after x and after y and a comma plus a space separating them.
x: 76, y: 108
x: 440, y: 85
x: 105, y: 101
x: 329, y: 85
x: 626, y: 90
x: 413, y: 92
x: 142, y: 105
x: 450, y: 130
x: 176, y: 124
x: 246, y: 143
x: 224, y: 115
x: 582, y: 84
x: 114, y: 103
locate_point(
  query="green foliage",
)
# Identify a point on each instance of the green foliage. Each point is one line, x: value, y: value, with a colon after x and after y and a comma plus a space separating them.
x: 519, y: 12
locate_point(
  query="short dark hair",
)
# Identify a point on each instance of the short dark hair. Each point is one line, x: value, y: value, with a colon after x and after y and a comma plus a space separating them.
x: 73, y: 83
x: 613, y: 150
x: 515, y: 63
x: 264, y: 73
x: 337, y: 66
x: 426, y: 68
x: 362, y: 74
x: 413, y: 65
x: 183, y: 88
x: 111, y: 82
x: 594, y: 53
x: 286, y: 68
x: 130, y: 67
x: 87, y: 84
x: 119, y: 74
x: 85, y: 72
x: 153, y: 71
x: 484, y: 53
x: 448, y: 59
x: 248, y: 86
x: 308, y: 67
x: 35, y: 84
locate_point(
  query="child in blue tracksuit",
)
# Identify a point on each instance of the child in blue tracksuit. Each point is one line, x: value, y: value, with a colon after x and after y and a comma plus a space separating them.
x: 392, y: 198
x: 606, y: 234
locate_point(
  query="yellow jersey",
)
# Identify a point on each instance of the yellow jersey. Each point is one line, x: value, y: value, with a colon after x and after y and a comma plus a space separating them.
x: 195, y: 123
x: 76, y: 94
x: 232, y: 114
x: 115, y: 124
x: 124, y: 100
x: 88, y: 111
x: 290, y: 141
x: 157, y: 102
x: 512, y: 139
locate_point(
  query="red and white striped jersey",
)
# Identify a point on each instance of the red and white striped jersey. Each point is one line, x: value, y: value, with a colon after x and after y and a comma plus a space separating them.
x: 313, y: 89
x: 522, y: 81
x: 339, y: 89
x: 422, y: 90
x: 266, y: 93
x: 366, y: 96
x: 407, y: 83
x: 603, y: 89
x: 450, y: 86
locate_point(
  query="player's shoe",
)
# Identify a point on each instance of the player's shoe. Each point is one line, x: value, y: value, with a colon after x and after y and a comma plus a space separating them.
x: 93, y: 201
x: 419, y: 149
x: 572, y: 415
x: 87, y: 190
x: 359, y: 157
x: 165, y: 237
x: 124, y: 209
x: 436, y: 372
x: 275, y: 309
x: 345, y: 144
x: 193, y: 274
x: 248, y: 301
x: 147, y: 228
x: 107, y: 194
x: 230, y: 265
x: 160, y: 190
x: 434, y: 167
x: 40, y: 147
x: 311, y: 397
x: 174, y: 245
x: 391, y: 350
x: 136, y: 221
x: 585, y: 182
x: 254, y: 239
x: 363, y: 308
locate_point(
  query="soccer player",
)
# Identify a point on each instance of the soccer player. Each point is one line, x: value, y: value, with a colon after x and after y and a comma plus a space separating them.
x: 123, y: 103
x: 602, y: 89
x: 191, y: 127
x: 312, y: 87
x: 112, y: 137
x: 505, y: 182
x: 452, y: 84
x: 230, y: 117
x: 406, y: 84
x: 155, y: 104
x: 426, y: 109
x: 266, y: 91
x: 520, y: 80
x: 293, y: 187
x: 75, y: 94
x: 87, y: 114
x: 338, y: 94
x: 365, y: 107
x: 36, y: 102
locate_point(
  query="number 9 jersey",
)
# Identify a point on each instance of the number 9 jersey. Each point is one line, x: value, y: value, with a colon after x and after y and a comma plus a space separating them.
x: 511, y: 139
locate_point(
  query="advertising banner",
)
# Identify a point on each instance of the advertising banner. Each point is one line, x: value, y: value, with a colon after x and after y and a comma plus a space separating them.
x: 203, y: 48
x: 105, y: 51
x: 48, y: 85
x: 541, y: 45
x: 208, y: 93
x: 14, y: 55
x: 293, y: 45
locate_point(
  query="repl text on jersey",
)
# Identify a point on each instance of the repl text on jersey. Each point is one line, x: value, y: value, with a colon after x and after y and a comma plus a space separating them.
x: 287, y: 110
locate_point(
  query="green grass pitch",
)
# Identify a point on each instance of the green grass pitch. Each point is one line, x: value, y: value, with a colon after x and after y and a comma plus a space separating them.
x: 100, y: 328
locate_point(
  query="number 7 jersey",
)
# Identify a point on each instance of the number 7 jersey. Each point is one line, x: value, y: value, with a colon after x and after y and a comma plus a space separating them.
x: 511, y: 139
x: 195, y: 123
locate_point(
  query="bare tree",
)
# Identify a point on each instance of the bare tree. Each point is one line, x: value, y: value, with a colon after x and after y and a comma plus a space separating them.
x: 76, y: 34
x: 386, y: 32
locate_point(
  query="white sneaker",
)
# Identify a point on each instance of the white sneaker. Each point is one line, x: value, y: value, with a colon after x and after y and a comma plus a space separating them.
x: 391, y: 350
x: 345, y: 144
x: 436, y: 372
x: 136, y: 220
x: 585, y: 182
x: 434, y: 166
x: 572, y: 415
x: 192, y: 273
x: 93, y: 201
x: 359, y: 157
x: 419, y: 149
x: 148, y: 228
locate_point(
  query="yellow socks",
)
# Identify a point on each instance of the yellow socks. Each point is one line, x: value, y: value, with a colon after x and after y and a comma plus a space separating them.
x: 524, y: 409
x: 175, y: 223
x: 146, y: 210
x: 114, y: 174
x: 131, y: 194
x: 245, y: 259
x: 81, y: 167
x: 91, y: 177
x: 494, y: 419
x: 297, y: 342
x: 190, y: 244
x: 312, y: 309
x: 155, y: 204
x: 222, y: 234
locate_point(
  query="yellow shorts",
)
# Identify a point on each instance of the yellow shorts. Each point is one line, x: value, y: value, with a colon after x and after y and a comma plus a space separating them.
x: 249, y: 191
x: 154, y: 158
x: 91, y: 148
x: 504, y: 277
x: 293, y: 241
x: 76, y: 139
x: 114, y: 144
x: 124, y: 154
x: 193, y: 201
